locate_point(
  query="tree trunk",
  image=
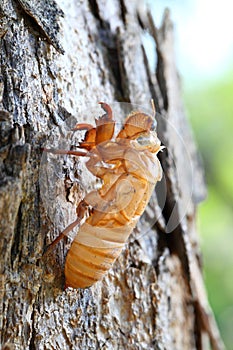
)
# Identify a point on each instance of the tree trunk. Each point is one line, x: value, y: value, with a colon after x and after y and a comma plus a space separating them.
x: 153, y: 297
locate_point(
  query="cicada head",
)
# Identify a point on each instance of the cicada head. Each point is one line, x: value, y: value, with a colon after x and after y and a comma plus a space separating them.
x: 140, y: 128
x: 148, y: 141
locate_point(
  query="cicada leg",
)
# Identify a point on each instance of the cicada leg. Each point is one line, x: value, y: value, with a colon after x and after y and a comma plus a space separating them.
x: 82, y: 126
x: 64, y: 151
x: 105, y: 125
x: 81, y: 209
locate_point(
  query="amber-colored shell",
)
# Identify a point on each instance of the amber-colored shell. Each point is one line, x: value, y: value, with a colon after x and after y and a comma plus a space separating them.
x: 129, y: 173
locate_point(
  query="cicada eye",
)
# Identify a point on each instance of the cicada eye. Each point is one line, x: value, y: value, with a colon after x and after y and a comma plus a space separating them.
x: 154, y: 125
x: 143, y: 140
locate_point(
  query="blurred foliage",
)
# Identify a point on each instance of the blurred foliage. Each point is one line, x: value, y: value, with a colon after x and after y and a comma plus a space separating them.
x: 210, y: 107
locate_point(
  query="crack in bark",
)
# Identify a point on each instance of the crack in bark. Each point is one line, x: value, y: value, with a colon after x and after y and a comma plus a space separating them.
x: 15, y: 249
x: 95, y: 11
x: 32, y: 345
x: 123, y: 11
x: 151, y: 85
x: 44, y: 17
x: 113, y: 59
x: 160, y: 75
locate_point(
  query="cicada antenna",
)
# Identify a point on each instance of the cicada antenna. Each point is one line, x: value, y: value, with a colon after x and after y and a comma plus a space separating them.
x: 153, y: 107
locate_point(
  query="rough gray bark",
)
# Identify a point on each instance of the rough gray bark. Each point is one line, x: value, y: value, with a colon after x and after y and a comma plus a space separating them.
x: 153, y: 297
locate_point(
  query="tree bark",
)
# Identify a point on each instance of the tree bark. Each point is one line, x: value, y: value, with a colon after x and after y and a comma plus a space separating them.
x: 55, y: 66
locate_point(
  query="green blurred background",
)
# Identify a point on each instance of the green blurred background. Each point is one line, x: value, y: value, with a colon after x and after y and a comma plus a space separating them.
x: 204, y: 50
x: 211, y: 109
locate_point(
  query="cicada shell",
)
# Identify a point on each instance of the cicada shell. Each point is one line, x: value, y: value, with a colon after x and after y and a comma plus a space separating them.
x: 129, y: 169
